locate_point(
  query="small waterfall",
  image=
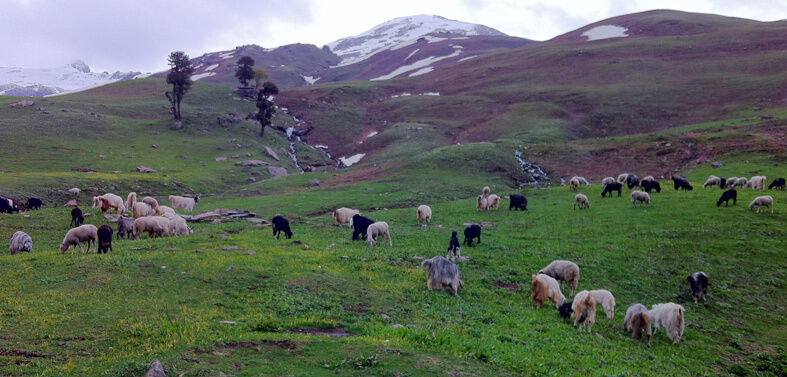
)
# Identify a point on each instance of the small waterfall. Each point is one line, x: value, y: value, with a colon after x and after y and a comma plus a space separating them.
x: 294, y: 154
x: 293, y: 136
x: 537, y: 173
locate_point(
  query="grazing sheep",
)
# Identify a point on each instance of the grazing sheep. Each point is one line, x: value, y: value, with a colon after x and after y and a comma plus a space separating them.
x: 606, y: 181
x: 76, y: 217
x: 565, y: 310
x: 731, y: 181
x: 493, y: 202
x: 105, y: 238
x: 648, y: 178
x: 177, y: 225
x: 640, y: 196
x: 670, y: 317
x: 83, y: 233
x: 130, y: 200
x: 680, y: 182
x: 622, y: 178
x: 637, y: 322
x: 75, y: 191
x: 544, y: 287
x: 607, y: 300
x: 698, y: 282
x: 712, y: 181
x: 151, y: 201
x: 141, y: 209
x: 360, y: 224
x: 743, y: 182
x: 762, y: 201
x: 379, y: 228
x: 156, y: 226
x: 7, y: 206
x: 125, y: 227
x: 481, y: 203
x: 584, y: 307
x: 472, y: 231
x: 573, y: 184
x: 631, y: 180
x: 518, y: 201
x: 485, y: 191
x: 565, y: 271
x: 345, y: 216
x: 726, y: 196
x: 161, y: 210
x: 758, y: 182
x: 614, y: 186
x: 722, y: 182
x: 777, y: 183
x: 20, y: 242
x: 280, y: 224
x: 109, y: 201
x: 582, y: 180
x: 442, y: 273
x: 582, y: 201
x: 651, y: 185
x: 33, y: 203
x: 183, y: 202
x: 453, y: 248
x: 423, y: 213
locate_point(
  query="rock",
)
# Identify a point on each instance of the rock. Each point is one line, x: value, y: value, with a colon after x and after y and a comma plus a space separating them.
x: 198, y: 251
x: 235, y: 156
x: 766, y: 116
x: 176, y: 126
x: 24, y: 103
x: 156, y: 370
x: 251, y: 252
x: 230, y: 268
x: 218, y: 159
x: 248, y: 163
x: 314, y: 182
x: 276, y: 171
x: 145, y: 169
x: 331, y: 246
x: 345, y: 257
x: 271, y: 153
x: 397, y: 326
x: 417, y: 257
x: 385, y: 317
x: 229, y: 322
x: 154, y: 146
x: 487, y: 223
x: 717, y: 164
x: 252, y: 179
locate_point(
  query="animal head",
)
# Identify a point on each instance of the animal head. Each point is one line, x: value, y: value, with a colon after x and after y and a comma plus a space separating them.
x: 63, y: 247
x: 196, y: 199
x: 565, y: 310
x: 453, y: 235
x: 96, y: 202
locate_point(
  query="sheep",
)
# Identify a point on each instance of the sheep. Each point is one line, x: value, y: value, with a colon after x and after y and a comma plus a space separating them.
x: 726, y: 196
x: 640, y: 196
x: 182, y: 202
x: 345, y: 216
x: 731, y: 181
x: 75, y: 191
x: 177, y: 225
x: 582, y: 180
x: 518, y: 201
x: 481, y: 203
x: 670, y: 317
x: 161, y: 210
x: 722, y: 182
x: 125, y: 227
x: 151, y: 201
x: 758, y: 182
x: 743, y: 182
x: 712, y: 181
x: 83, y: 233
x: 543, y: 287
x: 472, y: 231
x: 156, y: 226
x: 493, y: 202
x: 20, y: 242
x: 130, y: 200
x: 637, y: 322
x: 442, y: 273
x: 778, y: 183
x: 762, y: 201
x: 360, y: 224
x: 607, y: 300
x: 379, y: 228
x: 76, y: 217
x: 584, y: 307
x: 423, y: 213
x: 680, y: 182
x: 485, y: 191
x: 582, y: 201
x: 632, y: 181
x: 34, y: 203
x: 613, y: 186
x: 280, y: 224
x: 7, y: 206
x: 698, y: 282
x: 648, y: 178
x: 109, y: 201
x: 606, y: 181
x: 453, y: 248
x: 565, y: 310
x: 141, y: 209
x: 622, y: 178
x: 573, y: 184
x: 650, y: 186
x: 565, y: 271
x: 105, y: 238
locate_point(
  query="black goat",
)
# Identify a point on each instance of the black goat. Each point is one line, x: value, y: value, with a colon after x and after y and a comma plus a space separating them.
x: 34, y: 203
x: 518, y: 201
x: 649, y: 186
x: 614, y: 186
x: 472, y: 231
x: 105, y: 238
x: 778, y: 183
x: 76, y: 217
x: 726, y: 196
x: 682, y: 183
x: 698, y: 282
x: 360, y: 224
x: 565, y: 310
x: 453, y: 247
x: 280, y: 224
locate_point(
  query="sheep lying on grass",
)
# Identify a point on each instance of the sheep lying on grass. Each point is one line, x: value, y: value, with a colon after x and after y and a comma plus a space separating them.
x: 584, y: 307
x: 20, y: 242
x: 762, y: 201
x: 481, y: 203
x: 777, y: 183
x: 493, y: 202
x: 670, y: 317
x: 564, y: 271
x: 125, y: 227
x: 640, y: 196
x: 360, y: 225
x: 379, y: 228
x: 83, y: 233
x: 637, y: 322
x: 518, y: 201
x: 606, y: 299
x: 726, y: 196
x: 472, y: 231
x: 183, y: 202
x: 109, y: 201
x: 423, y: 213
x: 582, y: 201
x: 544, y: 288
x: 453, y: 248
x: 442, y: 273
x: 345, y: 216
x: 698, y: 283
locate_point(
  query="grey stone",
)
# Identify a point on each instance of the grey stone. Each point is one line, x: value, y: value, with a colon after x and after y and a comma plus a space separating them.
x: 156, y: 370
x: 248, y: 163
x: 314, y: 182
x: 271, y: 153
x: 276, y: 171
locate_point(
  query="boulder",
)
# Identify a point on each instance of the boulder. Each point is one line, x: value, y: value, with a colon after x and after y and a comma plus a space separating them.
x: 24, y: 103
x: 248, y: 163
x: 314, y: 182
x: 145, y: 169
x: 717, y: 164
x: 276, y: 171
x: 271, y: 153
x: 156, y: 370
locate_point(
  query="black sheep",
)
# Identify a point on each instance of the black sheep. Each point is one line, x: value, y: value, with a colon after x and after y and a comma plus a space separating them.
x: 34, y: 203
x: 722, y: 183
x: 726, y: 196
x: 280, y: 224
x: 632, y: 181
x: 699, y: 285
x: 7, y: 206
x: 453, y: 247
x: 472, y: 231
x: 649, y: 186
x: 105, y: 238
x: 518, y: 201
x: 360, y: 224
x: 615, y: 186
x: 682, y: 183
x: 76, y: 217
x: 778, y: 183
x: 565, y: 310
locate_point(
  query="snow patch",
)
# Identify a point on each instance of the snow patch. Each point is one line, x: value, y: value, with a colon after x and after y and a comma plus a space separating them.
x: 371, y: 134
x: 468, y: 58
x: 460, y: 38
x: 432, y: 39
x: 211, y: 67
x: 411, y: 54
x: 321, y: 146
x: 349, y: 161
x: 309, y: 79
x: 605, y: 32
x: 421, y: 72
x: 403, y: 44
x: 431, y: 94
x: 227, y: 55
x: 415, y: 66
x: 202, y: 76
x: 401, y: 95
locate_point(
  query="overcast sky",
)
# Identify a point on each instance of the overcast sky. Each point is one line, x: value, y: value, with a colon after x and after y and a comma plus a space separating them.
x: 138, y: 35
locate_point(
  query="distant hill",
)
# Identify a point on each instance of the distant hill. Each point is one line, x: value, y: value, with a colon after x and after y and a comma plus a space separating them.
x: 39, y: 82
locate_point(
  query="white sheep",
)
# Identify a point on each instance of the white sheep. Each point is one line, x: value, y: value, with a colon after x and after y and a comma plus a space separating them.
x: 423, y: 213
x: 481, y: 203
x: 161, y: 210
x: 493, y: 202
x: 141, y: 209
x: 177, y: 225
x: 544, y: 287
x: 156, y: 226
x: 83, y: 233
x: 151, y: 201
x: 182, y: 202
x: 130, y: 200
x: 345, y: 216
x: 486, y: 191
x: 581, y: 180
x: 757, y: 182
x: 640, y: 196
x: 622, y: 178
x: 584, y: 307
x: 75, y: 191
x: 582, y: 201
x: 670, y: 317
x: 563, y: 270
x: 606, y: 299
x: 606, y: 181
x: 109, y: 201
x: 21, y: 242
x: 762, y: 201
x: 378, y: 229
x: 648, y: 178
x: 712, y: 181
x: 573, y: 184
x: 742, y: 182
x: 731, y: 181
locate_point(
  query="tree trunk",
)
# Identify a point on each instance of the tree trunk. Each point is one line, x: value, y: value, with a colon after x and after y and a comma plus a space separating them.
x: 262, y: 131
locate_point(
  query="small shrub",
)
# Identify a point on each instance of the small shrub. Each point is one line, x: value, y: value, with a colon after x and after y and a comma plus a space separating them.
x: 738, y: 370
x: 366, y: 362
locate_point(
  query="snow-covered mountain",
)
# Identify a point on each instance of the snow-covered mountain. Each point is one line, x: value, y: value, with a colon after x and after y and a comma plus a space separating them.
x: 400, y: 32
x: 39, y: 82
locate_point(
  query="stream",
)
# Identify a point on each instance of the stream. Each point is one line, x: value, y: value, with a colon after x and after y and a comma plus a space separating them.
x: 536, y: 172
x: 292, y: 137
